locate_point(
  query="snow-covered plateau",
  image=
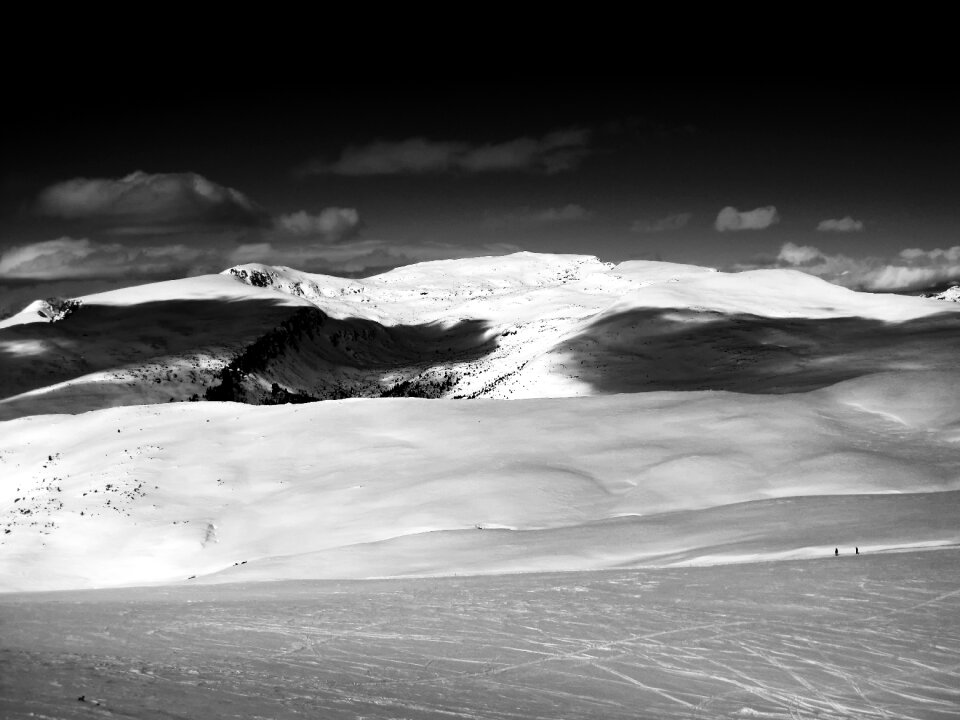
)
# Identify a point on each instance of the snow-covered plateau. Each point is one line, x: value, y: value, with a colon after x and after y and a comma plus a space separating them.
x: 519, y: 486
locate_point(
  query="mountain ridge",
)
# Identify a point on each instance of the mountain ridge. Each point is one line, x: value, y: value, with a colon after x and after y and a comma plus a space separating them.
x: 525, y: 325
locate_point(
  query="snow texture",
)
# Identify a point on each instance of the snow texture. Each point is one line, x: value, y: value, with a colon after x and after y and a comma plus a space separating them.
x: 872, y: 637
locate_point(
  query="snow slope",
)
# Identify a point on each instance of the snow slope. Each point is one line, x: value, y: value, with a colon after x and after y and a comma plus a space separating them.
x: 359, y: 488
x: 873, y: 637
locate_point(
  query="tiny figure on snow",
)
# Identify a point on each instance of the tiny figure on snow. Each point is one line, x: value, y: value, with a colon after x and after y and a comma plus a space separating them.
x: 836, y: 551
x: 858, y: 551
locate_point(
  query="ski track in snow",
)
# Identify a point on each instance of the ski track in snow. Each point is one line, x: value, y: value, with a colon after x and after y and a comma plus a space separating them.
x: 855, y: 637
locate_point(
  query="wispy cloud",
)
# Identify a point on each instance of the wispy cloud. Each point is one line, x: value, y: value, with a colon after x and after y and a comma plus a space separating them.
x: 910, y: 269
x: 76, y: 258
x: 528, y: 216
x: 68, y: 257
x: 665, y: 224
x: 331, y: 224
x: 150, y: 202
x: 950, y: 255
x: 730, y: 219
x: 552, y: 153
x: 843, y: 225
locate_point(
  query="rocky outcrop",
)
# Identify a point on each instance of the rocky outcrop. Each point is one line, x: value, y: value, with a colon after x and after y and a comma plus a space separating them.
x: 54, y: 309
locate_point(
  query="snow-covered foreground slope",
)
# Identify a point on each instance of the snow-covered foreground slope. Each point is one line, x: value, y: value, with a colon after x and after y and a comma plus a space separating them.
x: 392, y: 487
x: 873, y: 637
x: 524, y: 325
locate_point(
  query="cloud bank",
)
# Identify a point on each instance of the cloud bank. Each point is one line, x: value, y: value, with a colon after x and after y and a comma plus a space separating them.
x: 553, y: 153
x: 150, y: 202
x: 843, y: 225
x: 666, y: 224
x: 68, y: 257
x: 164, y: 225
x: 730, y: 219
x: 911, y: 269
x: 72, y: 258
x: 144, y: 226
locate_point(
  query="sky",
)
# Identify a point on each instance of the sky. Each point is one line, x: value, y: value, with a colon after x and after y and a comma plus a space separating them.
x: 854, y: 179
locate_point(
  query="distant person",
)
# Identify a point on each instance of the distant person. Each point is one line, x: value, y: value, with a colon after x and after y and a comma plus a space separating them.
x: 858, y: 551
x: 836, y: 551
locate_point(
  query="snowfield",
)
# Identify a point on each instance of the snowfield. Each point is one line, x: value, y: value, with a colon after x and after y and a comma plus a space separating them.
x: 538, y: 486
x: 872, y: 637
x: 361, y: 488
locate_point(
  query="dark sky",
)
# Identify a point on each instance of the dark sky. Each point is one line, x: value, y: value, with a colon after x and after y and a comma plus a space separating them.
x: 833, y: 173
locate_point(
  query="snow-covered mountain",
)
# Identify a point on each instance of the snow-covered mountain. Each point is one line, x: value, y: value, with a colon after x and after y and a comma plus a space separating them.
x: 524, y: 325
x: 635, y: 414
x: 951, y: 294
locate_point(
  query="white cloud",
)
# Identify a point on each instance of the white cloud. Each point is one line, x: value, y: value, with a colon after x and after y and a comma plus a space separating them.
x: 798, y: 254
x: 552, y: 153
x: 28, y: 261
x: 911, y: 269
x: 666, y: 224
x: 893, y: 278
x: 544, y: 216
x: 330, y: 224
x: 916, y: 255
x: 153, y: 201
x: 68, y: 257
x: 844, y: 224
x: 731, y: 219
